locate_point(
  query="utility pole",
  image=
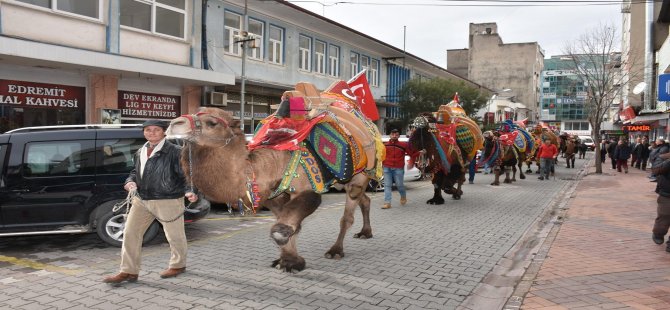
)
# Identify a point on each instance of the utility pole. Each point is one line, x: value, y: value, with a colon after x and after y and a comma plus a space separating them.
x: 243, y: 38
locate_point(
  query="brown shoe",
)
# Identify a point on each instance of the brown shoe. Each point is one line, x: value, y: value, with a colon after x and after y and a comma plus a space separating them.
x: 386, y: 206
x: 121, y: 277
x: 172, y: 272
x: 403, y: 200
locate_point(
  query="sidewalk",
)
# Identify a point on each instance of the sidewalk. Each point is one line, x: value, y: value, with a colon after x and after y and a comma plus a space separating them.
x: 601, y: 255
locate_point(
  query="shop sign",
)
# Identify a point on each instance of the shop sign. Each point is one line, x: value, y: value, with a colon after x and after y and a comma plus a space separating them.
x: 633, y: 128
x: 664, y: 87
x: 41, y: 95
x: 147, y: 105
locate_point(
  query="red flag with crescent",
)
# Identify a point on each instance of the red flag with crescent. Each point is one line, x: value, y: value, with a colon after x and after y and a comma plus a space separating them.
x: 361, y: 89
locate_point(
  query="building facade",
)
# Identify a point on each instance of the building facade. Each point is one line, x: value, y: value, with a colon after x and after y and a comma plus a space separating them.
x: 100, y: 61
x: 501, y: 66
x: 563, y: 97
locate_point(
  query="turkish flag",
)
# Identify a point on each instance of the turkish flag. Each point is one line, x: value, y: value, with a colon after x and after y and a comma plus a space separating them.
x: 361, y: 89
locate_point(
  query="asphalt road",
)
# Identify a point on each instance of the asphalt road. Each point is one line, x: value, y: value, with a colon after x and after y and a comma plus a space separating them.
x: 421, y: 257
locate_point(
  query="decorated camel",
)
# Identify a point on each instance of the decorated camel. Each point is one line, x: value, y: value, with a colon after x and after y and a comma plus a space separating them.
x: 314, y: 139
x: 451, y: 140
x: 501, y: 155
x: 523, y: 142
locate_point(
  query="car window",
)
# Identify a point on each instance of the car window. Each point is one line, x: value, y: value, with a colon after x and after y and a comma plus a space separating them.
x: 62, y: 158
x: 118, y: 155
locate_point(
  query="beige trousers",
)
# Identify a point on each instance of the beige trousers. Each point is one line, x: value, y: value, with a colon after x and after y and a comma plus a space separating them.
x: 139, y: 219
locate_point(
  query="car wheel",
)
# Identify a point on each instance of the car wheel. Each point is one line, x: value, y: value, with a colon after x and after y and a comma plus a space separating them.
x: 376, y: 186
x: 110, y: 225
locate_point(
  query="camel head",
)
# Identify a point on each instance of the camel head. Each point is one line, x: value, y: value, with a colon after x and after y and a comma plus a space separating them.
x: 208, y: 127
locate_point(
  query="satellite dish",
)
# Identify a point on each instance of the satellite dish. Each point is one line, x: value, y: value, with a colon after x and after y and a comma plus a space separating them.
x: 639, y: 88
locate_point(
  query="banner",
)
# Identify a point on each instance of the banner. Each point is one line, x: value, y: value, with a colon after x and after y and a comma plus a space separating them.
x: 147, y: 105
x: 360, y: 87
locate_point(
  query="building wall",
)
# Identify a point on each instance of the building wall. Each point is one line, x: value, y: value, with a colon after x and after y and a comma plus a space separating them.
x: 635, y: 52
x: 499, y: 66
x: 458, y: 61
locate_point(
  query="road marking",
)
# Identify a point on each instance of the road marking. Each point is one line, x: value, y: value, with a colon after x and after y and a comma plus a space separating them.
x: 38, y: 266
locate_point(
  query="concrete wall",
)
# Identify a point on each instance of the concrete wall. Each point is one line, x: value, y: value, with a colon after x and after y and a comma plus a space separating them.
x: 458, y: 61
x: 499, y: 66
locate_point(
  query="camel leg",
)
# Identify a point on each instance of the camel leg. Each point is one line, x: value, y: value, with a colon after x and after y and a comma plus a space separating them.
x: 437, y: 199
x: 498, y: 172
x: 513, y: 173
x: 507, y: 179
x: 458, y: 192
x: 285, y: 231
x: 355, y: 197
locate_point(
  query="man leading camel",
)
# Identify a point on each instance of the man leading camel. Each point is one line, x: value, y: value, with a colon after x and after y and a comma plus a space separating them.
x: 161, y: 188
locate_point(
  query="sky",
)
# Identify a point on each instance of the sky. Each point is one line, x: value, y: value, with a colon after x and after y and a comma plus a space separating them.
x: 433, y: 28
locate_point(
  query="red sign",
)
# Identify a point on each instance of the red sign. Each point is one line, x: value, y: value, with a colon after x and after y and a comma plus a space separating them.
x: 146, y: 105
x: 42, y: 95
x: 636, y: 128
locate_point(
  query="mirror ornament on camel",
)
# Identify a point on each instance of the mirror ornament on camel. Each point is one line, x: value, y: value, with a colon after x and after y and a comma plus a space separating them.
x: 313, y: 140
x: 451, y: 140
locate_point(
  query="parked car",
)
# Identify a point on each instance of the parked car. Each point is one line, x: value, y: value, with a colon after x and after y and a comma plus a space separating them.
x: 588, y: 141
x: 67, y: 179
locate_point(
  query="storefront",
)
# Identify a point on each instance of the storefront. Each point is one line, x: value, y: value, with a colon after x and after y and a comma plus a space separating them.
x: 25, y: 104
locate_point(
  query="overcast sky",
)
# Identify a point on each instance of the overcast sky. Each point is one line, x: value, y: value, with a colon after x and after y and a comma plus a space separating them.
x: 432, y: 29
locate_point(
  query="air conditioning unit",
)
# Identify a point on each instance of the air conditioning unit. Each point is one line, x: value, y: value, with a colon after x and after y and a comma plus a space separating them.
x: 218, y: 99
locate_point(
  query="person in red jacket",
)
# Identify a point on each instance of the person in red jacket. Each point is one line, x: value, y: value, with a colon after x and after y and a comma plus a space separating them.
x: 547, y: 154
x: 394, y: 168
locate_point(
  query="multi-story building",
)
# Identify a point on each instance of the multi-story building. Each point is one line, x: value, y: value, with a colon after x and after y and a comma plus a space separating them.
x: 563, y: 97
x: 75, y: 62
x: 296, y: 45
x: 500, y: 66
x: 645, y: 45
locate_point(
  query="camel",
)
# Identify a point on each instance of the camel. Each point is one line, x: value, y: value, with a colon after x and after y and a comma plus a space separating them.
x: 523, y: 143
x: 225, y: 169
x: 500, y: 154
x: 450, y: 146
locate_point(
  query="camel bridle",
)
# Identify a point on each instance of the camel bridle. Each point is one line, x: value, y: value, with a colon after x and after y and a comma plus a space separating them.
x: 196, y: 125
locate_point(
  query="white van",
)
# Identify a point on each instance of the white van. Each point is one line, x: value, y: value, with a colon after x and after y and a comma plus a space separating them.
x: 588, y: 141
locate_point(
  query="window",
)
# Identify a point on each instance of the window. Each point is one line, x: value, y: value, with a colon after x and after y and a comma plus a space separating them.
x: 232, y: 23
x: 118, y: 155
x: 354, y: 64
x: 365, y: 65
x: 78, y: 7
x: 305, y: 54
x: 320, y: 57
x: 334, y: 60
x: 257, y: 28
x: 276, y: 48
x: 374, y: 72
x: 166, y: 17
x: 55, y: 159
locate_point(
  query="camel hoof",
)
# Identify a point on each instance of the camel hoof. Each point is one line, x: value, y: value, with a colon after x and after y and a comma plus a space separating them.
x: 335, y: 253
x: 435, y: 201
x: 289, y: 264
x: 507, y: 181
x: 523, y: 177
x: 457, y: 197
x: 495, y: 183
x: 363, y: 235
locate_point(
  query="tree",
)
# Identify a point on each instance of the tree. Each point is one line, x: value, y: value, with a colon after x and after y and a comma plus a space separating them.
x: 598, y: 64
x: 418, y: 96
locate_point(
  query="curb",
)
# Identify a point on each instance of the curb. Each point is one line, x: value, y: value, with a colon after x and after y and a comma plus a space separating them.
x: 511, y: 278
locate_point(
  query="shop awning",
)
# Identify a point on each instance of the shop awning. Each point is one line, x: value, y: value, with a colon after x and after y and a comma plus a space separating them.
x: 31, y: 53
x: 650, y: 117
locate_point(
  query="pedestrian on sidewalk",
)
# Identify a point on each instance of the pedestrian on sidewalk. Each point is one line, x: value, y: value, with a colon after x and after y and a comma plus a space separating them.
x: 633, y: 155
x: 547, y: 155
x: 603, y: 150
x: 581, y: 148
x: 641, y: 154
x: 662, y: 222
x: 622, y: 154
x: 610, y: 151
x: 472, y: 170
x: 569, y: 153
x: 161, y: 187
x: 394, y: 168
x: 660, y: 147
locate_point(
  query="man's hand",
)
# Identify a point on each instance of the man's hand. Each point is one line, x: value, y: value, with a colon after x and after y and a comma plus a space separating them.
x: 130, y: 186
x: 192, y: 197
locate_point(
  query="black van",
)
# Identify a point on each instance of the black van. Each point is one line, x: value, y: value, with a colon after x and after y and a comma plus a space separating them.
x: 67, y: 179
